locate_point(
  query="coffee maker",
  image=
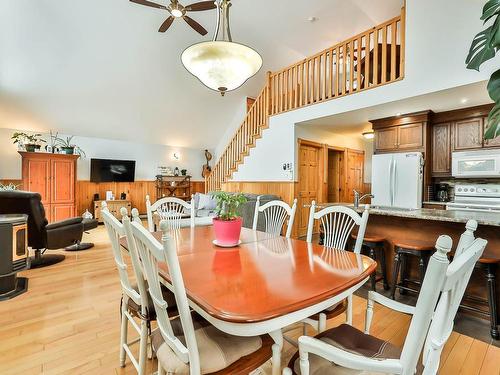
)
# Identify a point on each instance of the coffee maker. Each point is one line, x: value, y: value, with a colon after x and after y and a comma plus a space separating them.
x: 441, y: 192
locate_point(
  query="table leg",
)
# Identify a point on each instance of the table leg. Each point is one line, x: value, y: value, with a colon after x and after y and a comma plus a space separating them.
x: 277, y: 336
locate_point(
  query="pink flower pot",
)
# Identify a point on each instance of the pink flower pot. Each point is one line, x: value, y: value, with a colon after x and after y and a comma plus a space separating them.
x: 227, y: 233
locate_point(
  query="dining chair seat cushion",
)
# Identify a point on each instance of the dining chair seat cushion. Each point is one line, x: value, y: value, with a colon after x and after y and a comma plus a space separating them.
x: 351, y: 340
x: 168, y: 296
x: 217, y: 349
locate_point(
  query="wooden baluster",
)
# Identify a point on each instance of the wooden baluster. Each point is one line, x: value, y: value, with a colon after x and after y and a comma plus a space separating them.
x: 358, y: 64
x: 317, y: 62
x: 344, y: 68
x: 336, y: 81
x: 307, y: 83
x: 301, y: 84
x: 285, y: 90
x: 330, y: 74
x: 393, y: 50
x: 375, y: 57
x: 367, y: 60
x: 384, y: 54
x: 325, y: 77
x: 351, y: 66
x: 402, y: 35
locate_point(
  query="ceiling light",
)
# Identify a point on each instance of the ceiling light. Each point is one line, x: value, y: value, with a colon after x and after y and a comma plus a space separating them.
x: 313, y: 19
x: 398, y: 114
x: 222, y: 65
x: 177, y: 13
x: 464, y: 100
x: 369, y: 135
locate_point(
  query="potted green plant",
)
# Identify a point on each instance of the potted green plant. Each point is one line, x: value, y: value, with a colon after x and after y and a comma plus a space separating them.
x: 31, y: 142
x: 67, y: 146
x: 227, y: 223
x: 483, y: 48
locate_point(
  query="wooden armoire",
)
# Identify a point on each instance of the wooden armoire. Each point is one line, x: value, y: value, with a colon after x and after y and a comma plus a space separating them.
x: 54, y: 177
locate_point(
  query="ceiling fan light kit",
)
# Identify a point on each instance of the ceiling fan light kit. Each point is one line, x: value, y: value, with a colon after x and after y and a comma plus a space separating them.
x: 222, y: 65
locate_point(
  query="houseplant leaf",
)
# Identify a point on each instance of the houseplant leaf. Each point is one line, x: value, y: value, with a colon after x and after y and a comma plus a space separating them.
x: 490, y: 9
x: 481, y: 49
x: 494, y: 86
x: 494, y: 123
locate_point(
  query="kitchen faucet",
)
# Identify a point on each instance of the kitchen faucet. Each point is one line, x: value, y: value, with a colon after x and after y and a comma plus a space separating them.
x: 358, y: 199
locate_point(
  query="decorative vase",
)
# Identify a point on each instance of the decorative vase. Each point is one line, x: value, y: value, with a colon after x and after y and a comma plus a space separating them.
x: 227, y: 232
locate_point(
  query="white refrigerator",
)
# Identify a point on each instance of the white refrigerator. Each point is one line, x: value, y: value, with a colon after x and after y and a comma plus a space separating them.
x: 397, y: 180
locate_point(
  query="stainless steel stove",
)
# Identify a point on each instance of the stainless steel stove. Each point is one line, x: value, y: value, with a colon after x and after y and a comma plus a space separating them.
x: 479, y: 197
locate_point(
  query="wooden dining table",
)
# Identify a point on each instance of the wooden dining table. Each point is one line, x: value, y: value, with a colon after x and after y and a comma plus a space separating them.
x: 266, y: 283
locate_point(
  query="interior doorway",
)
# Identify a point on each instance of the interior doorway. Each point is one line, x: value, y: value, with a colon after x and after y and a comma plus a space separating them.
x: 344, y: 174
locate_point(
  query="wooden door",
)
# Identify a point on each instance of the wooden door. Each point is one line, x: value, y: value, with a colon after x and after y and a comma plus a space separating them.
x: 490, y: 142
x: 308, y: 184
x: 336, y: 176
x: 63, y: 188
x: 441, y: 149
x: 386, y: 139
x: 36, y: 177
x: 411, y: 137
x: 61, y: 212
x: 354, y: 176
x: 468, y: 134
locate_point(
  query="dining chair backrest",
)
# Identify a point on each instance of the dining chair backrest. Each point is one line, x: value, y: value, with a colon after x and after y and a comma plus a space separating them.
x: 446, y: 282
x: 135, y: 215
x: 458, y: 275
x: 275, y: 214
x: 338, y: 223
x: 117, y: 230
x: 154, y: 253
x: 171, y: 210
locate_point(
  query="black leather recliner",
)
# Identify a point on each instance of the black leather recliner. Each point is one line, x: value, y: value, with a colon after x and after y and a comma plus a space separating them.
x: 42, y: 235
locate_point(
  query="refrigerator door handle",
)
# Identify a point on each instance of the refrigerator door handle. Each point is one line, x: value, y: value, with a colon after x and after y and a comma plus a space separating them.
x: 391, y: 191
x: 395, y: 182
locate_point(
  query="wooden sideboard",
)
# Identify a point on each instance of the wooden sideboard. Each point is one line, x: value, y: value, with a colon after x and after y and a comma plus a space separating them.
x: 114, y: 208
x: 54, y: 177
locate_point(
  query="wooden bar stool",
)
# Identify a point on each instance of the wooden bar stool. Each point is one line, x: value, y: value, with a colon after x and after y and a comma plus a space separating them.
x: 375, y: 247
x: 403, y: 248
x: 489, y: 266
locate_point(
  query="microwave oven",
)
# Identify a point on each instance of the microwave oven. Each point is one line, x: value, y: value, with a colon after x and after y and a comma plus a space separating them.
x: 476, y: 164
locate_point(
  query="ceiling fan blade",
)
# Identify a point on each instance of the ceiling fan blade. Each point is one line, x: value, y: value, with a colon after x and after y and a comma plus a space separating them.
x: 149, y: 4
x: 195, y: 25
x: 165, y: 25
x: 202, y: 5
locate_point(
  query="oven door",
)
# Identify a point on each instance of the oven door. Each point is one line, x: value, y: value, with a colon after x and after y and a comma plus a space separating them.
x: 476, y: 164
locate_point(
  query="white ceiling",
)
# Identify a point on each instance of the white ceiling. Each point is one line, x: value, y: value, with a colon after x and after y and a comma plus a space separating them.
x: 99, y: 67
x: 355, y: 122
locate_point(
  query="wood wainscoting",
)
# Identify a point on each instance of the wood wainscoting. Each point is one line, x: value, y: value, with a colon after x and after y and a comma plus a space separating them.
x: 136, y: 192
x: 285, y: 189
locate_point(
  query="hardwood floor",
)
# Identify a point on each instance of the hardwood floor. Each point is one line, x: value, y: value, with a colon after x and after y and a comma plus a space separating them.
x: 68, y: 323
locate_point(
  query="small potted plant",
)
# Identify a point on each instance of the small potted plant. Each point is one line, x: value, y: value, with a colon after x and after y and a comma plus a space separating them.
x: 227, y: 223
x: 31, y: 142
x: 67, y: 147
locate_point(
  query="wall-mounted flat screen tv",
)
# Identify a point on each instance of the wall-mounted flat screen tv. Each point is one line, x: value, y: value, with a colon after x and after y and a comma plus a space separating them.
x: 105, y: 170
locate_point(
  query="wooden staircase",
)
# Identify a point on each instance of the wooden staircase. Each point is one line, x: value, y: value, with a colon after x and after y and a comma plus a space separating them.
x: 368, y: 60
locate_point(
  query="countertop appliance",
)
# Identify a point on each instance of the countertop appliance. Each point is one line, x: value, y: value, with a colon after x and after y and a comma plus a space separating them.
x: 480, y: 163
x: 442, y: 192
x: 476, y: 197
x: 397, y: 180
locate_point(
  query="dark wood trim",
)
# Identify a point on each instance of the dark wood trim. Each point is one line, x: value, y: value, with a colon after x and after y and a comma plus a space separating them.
x: 406, y: 119
x: 462, y: 114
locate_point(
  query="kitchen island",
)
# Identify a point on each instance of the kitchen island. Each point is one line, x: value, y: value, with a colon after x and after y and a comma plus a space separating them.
x: 427, y: 225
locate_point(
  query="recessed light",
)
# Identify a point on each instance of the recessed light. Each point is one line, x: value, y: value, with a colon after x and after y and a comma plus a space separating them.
x: 398, y: 114
x: 313, y: 19
x: 464, y: 100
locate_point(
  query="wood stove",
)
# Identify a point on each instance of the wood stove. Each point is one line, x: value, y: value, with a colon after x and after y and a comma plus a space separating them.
x: 13, y: 255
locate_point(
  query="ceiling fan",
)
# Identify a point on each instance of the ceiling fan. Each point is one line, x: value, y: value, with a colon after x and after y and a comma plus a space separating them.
x: 177, y: 10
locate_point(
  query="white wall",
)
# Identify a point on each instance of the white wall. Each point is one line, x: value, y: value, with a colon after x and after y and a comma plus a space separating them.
x: 147, y: 156
x: 438, y: 37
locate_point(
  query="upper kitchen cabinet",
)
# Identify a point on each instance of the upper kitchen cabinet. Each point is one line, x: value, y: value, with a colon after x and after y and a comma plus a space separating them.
x: 490, y: 142
x: 441, y: 149
x: 468, y: 134
x: 402, y: 133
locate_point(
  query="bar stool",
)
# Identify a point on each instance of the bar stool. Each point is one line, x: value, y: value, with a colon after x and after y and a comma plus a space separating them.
x: 403, y: 248
x: 489, y: 265
x: 375, y: 246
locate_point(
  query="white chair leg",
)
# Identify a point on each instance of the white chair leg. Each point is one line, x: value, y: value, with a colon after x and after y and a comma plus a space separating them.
x: 161, y: 371
x: 277, y: 336
x: 287, y: 371
x: 304, y: 363
x: 348, y: 311
x: 143, y: 347
x: 123, y: 335
x: 322, y: 322
x: 369, y: 316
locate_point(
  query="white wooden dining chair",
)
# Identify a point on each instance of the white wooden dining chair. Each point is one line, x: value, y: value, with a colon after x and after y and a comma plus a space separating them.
x: 338, y: 223
x: 172, y: 210
x: 275, y: 214
x: 188, y: 343
x: 135, y: 302
x: 345, y: 347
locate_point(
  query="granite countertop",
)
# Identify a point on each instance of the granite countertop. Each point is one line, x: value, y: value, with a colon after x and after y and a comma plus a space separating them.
x: 482, y: 218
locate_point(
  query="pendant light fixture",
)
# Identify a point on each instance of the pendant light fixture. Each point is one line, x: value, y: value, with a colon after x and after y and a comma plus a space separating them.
x: 221, y: 64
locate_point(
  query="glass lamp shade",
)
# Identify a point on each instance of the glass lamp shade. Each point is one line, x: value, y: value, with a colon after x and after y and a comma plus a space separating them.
x: 220, y: 65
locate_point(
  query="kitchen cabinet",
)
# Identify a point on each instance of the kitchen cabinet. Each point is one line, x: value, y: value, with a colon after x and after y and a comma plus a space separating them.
x: 409, y: 137
x: 441, y: 149
x: 386, y: 139
x: 490, y: 142
x: 468, y: 134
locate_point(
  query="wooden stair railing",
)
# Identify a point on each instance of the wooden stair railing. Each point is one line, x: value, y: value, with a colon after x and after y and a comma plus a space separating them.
x: 370, y: 59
